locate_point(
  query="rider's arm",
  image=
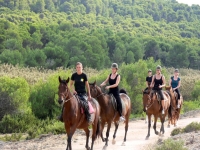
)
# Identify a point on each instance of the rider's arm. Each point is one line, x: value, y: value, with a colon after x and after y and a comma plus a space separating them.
x: 147, y: 83
x: 104, y: 82
x: 116, y: 84
x: 71, y: 86
x: 179, y: 84
x: 88, y: 88
x: 152, y: 82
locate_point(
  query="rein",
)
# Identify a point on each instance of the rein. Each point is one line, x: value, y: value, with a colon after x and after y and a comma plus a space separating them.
x: 151, y: 103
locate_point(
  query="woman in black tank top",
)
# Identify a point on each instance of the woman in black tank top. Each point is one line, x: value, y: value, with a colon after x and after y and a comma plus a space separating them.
x: 157, y: 83
x: 113, y: 79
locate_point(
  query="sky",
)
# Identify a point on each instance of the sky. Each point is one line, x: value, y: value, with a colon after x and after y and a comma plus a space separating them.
x: 189, y: 2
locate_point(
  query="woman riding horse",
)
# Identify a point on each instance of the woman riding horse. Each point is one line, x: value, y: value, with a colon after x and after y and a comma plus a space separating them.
x: 114, y: 80
x: 175, y: 83
x: 157, y: 83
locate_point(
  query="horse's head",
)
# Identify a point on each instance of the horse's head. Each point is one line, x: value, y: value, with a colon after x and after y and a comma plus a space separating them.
x: 94, y: 90
x: 168, y: 88
x: 63, y: 90
x: 146, y: 98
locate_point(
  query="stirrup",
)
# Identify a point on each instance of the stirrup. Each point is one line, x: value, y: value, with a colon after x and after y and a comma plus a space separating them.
x: 122, y: 119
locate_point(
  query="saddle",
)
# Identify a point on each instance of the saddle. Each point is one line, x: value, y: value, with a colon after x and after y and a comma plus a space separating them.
x: 157, y: 95
x: 85, y: 104
x: 114, y: 102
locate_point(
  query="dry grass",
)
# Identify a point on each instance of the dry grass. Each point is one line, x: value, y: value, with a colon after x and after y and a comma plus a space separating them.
x: 188, y: 79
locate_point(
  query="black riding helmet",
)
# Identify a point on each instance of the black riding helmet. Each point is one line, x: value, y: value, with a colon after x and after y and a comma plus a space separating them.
x: 176, y: 70
x: 114, y: 65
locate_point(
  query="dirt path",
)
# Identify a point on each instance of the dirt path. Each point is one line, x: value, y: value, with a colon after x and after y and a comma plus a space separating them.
x: 135, y: 138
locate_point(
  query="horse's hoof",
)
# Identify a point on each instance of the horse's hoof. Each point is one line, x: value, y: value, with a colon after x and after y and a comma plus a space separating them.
x: 113, y: 141
x: 123, y: 144
x: 159, y: 134
x: 156, y: 132
x: 168, y: 126
x: 147, y: 137
x: 175, y: 125
x: 105, y: 147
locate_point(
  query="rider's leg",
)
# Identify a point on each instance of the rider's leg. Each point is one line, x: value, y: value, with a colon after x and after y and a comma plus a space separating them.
x: 177, y: 91
x: 86, y: 107
x: 162, y: 101
x: 119, y: 106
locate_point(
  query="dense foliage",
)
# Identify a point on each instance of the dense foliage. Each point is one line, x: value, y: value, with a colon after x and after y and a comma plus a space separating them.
x: 55, y: 33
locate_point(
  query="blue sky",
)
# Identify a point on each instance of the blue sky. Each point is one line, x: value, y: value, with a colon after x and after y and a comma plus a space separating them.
x: 189, y: 2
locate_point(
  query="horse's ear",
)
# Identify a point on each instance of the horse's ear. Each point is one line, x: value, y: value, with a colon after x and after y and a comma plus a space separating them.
x: 59, y: 78
x: 94, y: 83
x: 67, y: 80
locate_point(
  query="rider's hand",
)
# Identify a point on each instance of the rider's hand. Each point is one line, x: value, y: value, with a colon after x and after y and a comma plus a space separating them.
x: 174, y: 89
x: 107, y: 87
x: 89, y: 97
x: 160, y: 86
x: 74, y: 92
x: 101, y: 84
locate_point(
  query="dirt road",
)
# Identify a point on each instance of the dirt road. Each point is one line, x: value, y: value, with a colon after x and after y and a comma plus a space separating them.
x: 135, y: 138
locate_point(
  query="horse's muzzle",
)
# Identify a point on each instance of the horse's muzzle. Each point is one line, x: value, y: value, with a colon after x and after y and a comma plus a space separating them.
x: 60, y: 101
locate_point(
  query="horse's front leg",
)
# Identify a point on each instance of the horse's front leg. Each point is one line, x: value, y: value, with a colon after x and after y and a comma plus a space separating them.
x: 162, y: 130
x: 87, y: 132
x: 70, y: 132
x: 107, y: 132
x: 154, y: 126
x: 102, y: 127
x: 149, y: 126
x: 114, y: 135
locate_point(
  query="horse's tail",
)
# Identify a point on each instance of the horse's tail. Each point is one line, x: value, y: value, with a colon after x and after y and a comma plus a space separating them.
x: 98, y: 131
x: 122, y: 91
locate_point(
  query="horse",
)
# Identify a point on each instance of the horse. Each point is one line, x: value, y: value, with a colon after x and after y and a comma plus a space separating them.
x: 73, y: 115
x: 175, y: 111
x: 153, y: 107
x: 108, y: 112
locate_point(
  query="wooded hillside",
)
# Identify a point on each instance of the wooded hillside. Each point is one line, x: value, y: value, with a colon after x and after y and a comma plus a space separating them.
x: 54, y: 33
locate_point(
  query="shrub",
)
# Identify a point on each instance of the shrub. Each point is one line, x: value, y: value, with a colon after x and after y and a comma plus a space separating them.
x: 176, y: 131
x: 194, y: 126
x: 191, y: 105
x: 43, y: 96
x: 170, y: 144
x: 14, y: 94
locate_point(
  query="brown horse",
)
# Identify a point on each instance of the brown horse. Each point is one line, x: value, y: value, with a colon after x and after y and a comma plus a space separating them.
x: 175, y: 111
x: 74, y: 118
x: 153, y: 107
x: 108, y: 112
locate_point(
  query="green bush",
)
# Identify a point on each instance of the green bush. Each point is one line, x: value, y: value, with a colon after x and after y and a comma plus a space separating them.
x: 14, y: 94
x: 171, y: 144
x: 194, y: 126
x: 44, y: 96
x: 176, y: 131
x: 191, y: 105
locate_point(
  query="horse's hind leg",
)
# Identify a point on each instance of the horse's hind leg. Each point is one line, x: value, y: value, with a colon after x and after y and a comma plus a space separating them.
x: 154, y: 126
x: 114, y: 135
x: 87, y: 132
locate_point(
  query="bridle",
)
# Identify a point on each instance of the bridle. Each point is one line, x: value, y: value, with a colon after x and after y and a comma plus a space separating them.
x: 96, y: 92
x: 65, y: 100
x: 149, y: 99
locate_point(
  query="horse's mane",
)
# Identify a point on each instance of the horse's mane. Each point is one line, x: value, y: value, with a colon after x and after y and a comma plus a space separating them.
x: 122, y: 91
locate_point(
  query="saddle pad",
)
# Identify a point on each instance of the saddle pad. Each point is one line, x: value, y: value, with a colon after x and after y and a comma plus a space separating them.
x: 91, y: 109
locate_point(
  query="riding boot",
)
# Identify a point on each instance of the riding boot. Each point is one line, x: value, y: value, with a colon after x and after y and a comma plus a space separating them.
x: 61, y: 116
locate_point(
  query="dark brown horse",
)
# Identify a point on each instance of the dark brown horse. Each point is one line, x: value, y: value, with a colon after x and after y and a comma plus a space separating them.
x: 153, y: 107
x: 74, y: 118
x: 175, y: 111
x: 108, y: 112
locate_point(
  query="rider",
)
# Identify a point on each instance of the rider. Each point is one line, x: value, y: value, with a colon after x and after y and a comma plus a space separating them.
x: 175, y: 83
x: 149, y: 79
x: 79, y: 81
x: 158, y: 81
x: 114, y: 79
